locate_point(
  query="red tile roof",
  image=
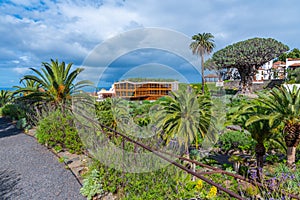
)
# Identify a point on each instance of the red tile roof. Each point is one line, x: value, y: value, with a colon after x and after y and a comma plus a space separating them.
x: 295, y: 65
x: 279, y: 63
x: 292, y: 59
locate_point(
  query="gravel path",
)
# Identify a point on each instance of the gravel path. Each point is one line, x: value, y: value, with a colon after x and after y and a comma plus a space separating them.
x: 29, y: 171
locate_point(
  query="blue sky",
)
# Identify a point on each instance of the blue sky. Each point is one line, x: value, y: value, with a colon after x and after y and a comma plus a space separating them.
x: 34, y: 31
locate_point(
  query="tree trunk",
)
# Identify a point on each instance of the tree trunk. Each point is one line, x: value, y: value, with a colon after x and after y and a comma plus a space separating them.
x: 202, y: 71
x: 260, y: 151
x: 243, y: 81
x: 291, y: 155
x: 292, y: 140
x: 193, y: 166
x: 246, y: 74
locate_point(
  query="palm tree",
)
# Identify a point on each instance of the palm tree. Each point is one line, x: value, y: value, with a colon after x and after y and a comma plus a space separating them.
x: 183, y: 117
x: 55, y: 82
x: 203, y: 44
x: 283, y: 104
x: 28, y: 87
x: 180, y: 118
x: 260, y: 131
x: 5, y: 97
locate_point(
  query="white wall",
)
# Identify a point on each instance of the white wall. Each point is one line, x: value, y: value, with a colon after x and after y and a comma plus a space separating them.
x: 290, y: 62
x: 268, y: 65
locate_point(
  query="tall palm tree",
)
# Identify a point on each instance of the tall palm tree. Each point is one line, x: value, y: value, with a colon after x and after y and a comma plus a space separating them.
x: 55, y: 81
x: 202, y: 45
x: 284, y: 105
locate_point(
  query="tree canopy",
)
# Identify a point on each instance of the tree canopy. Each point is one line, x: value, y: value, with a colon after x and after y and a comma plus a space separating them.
x: 54, y: 83
x: 295, y: 53
x: 247, y: 56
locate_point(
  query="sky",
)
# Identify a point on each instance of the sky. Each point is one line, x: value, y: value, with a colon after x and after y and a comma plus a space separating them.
x: 35, y: 31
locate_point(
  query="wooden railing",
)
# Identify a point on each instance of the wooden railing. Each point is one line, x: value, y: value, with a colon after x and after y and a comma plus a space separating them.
x: 165, y: 156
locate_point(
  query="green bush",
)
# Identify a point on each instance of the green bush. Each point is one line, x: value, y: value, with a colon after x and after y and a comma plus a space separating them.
x: 294, y: 76
x: 166, y: 183
x: 13, y: 111
x: 236, y: 140
x: 57, y: 130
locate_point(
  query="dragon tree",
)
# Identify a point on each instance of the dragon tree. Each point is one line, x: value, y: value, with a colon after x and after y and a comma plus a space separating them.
x: 247, y: 56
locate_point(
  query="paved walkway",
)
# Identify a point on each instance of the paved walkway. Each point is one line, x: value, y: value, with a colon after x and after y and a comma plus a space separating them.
x: 30, y: 171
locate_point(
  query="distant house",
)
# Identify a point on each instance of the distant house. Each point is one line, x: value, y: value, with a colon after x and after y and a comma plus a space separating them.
x: 259, y: 76
x: 211, y: 78
x: 275, y: 70
x: 279, y: 70
x: 103, y: 93
x: 292, y: 63
x: 144, y: 90
x: 263, y: 73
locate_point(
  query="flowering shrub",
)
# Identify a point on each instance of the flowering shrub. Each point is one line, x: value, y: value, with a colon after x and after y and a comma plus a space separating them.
x: 278, y: 184
x: 212, y: 192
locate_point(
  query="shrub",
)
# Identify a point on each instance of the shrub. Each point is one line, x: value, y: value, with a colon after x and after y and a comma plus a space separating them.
x: 57, y: 130
x: 236, y: 140
x: 165, y: 183
x: 92, y: 185
x: 14, y: 111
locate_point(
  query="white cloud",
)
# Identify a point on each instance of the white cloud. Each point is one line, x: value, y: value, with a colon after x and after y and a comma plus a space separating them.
x: 34, y: 31
x: 21, y: 70
x: 16, y: 61
x: 24, y: 58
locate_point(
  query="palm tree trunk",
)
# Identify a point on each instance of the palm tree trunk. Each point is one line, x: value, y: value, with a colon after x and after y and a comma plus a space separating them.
x: 260, y: 151
x: 292, y: 140
x: 202, y: 72
x: 291, y: 155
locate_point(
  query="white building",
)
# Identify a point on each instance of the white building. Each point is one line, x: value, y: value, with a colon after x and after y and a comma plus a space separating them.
x: 264, y: 73
x: 103, y: 93
x: 292, y: 63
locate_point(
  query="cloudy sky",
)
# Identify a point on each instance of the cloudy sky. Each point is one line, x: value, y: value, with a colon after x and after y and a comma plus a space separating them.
x: 34, y: 31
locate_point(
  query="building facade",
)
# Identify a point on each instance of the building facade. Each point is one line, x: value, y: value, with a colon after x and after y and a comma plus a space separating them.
x: 292, y: 63
x: 149, y: 90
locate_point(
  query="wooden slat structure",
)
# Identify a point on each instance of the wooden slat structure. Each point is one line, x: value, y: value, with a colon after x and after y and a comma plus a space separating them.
x: 150, y: 90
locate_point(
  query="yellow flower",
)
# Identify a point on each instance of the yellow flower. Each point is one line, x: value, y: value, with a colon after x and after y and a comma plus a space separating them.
x: 212, y: 192
x: 199, y: 185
